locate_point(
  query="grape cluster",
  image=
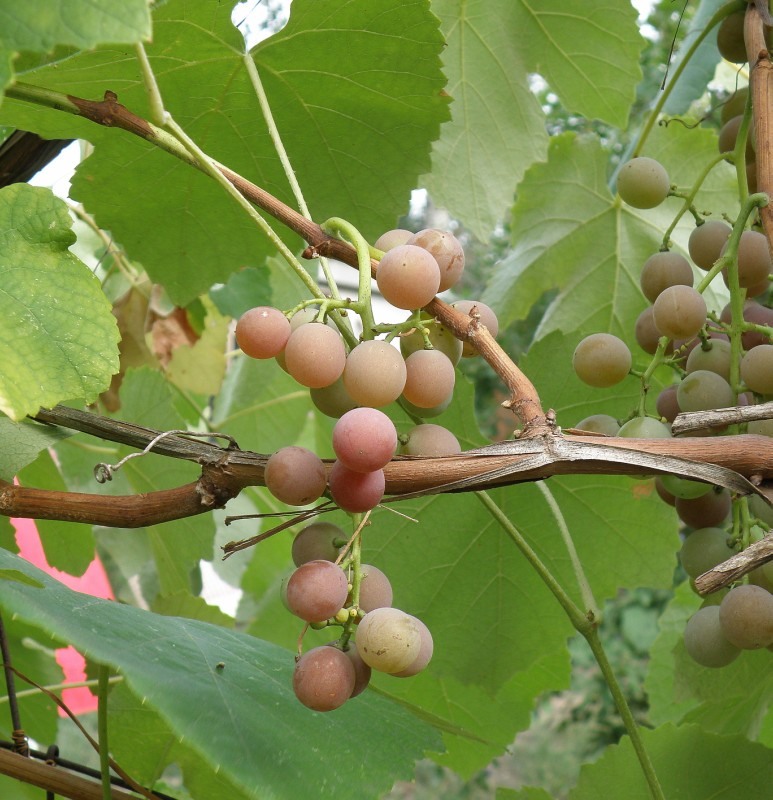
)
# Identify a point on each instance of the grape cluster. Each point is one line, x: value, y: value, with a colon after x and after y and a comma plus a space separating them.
x: 331, y: 586
x: 358, y: 597
x: 678, y: 330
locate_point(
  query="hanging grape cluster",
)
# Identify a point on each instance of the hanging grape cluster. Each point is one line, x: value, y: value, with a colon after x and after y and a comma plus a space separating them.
x: 351, y: 380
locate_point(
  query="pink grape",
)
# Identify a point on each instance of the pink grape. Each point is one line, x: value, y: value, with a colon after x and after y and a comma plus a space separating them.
x: 316, y: 542
x: 408, y: 277
x: 324, y: 678
x: 424, y: 655
x: 375, y: 589
x: 487, y: 318
x: 430, y: 378
x: 355, y: 492
x: 262, y: 332
x: 365, y: 439
x: 446, y: 250
x: 295, y: 476
x: 315, y: 355
x: 317, y: 590
x: 374, y: 374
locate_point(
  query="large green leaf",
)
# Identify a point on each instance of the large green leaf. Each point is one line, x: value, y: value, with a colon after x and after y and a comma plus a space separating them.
x: 570, y: 233
x: 241, y: 718
x: 40, y: 24
x: 689, y: 763
x: 588, y: 55
x: 355, y: 90
x: 22, y: 441
x: 60, y: 339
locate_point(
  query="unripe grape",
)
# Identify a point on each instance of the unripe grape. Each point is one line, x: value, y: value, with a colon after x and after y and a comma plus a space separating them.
x: 440, y: 338
x: 262, y: 332
x: 316, y: 542
x: 408, y: 277
x: 667, y: 404
x: 427, y: 413
x: 375, y: 373
x: 703, y: 390
x: 714, y: 356
x: 333, y: 401
x: 601, y: 360
x: 643, y: 182
x: 703, y: 549
x: 706, y: 242
x: 707, y: 511
x: 728, y: 135
x: 679, y: 312
x: 754, y: 264
x: 295, y: 476
x: 364, y: 439
x: 746, y: 617
x: 663, y: 493
x: 644, y: 428
x: 683, y: 487
x: 446, y: 250
x: 599, y: 423
x: 646, y: 334
x: 375, y: 589
x: 388, y: 640
x: 431, y: 440
x: 734, y: 105
x: 394, y: 238
x: 730, y: 38
x: 355, y: 492
x: 315, y: 355
x: 324, y: 678
x: 487, y: 318
x: 430, y: 378
x: 662, y: 270
x: 705, y: 642
x: 317, y: 590
x: 424, y: 655
x: 757, y: 369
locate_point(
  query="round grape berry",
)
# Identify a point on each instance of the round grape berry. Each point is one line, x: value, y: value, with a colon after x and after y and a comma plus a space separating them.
x: 355, y: 492
x: 375, y: 373
x: 446, y: 250
x: 388, y: 639
x: 365, y: 439
x: 679, y: 312
x: 324, y: 678
x: 601, y: 360
x: 643, y: 182
x: 295, y: 476
x: 317, y: 590
x: 262, y: 332
x: 408, y: 277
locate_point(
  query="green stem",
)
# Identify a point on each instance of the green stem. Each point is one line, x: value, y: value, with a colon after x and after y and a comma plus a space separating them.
x: 273, y: 132
x: 157, y: 111
x: 586, y: 625
x: 718, y: 16
x: 588, y: 600
x: 336, y: 226
x: 104, y: 753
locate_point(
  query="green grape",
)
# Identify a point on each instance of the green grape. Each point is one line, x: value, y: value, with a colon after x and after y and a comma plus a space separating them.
x: 703, y: 390
x: 728, y: 135
x: 703, y: 549
x: 757, y: 369
x: 394, y: 238
x: 643, y: 182
x: 679, y: 312
x: 662, y: 270
x: 682, y: 487
x: 705, y: 642
x: 333, y: 401
x: 746, y: 617
x: 599, y: 423
x: 645, y: 428
x: 601, y: 360
x: 730, y: 38
x: 714, y: 355
x: 706, y: 242
x: 431, y: 440
x: 440, y: 338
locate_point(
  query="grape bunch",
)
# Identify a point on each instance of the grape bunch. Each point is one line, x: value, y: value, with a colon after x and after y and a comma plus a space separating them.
x: 718, y: 360
x: 357, y: 597
x: 351, y: 382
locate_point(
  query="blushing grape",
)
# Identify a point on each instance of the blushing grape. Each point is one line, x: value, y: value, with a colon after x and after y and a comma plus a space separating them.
x: 262, y: 332
x: 705, y: 642
x: 746, y: 617
x: 324, y: 678
x: 408, y: 277
x: 706, y: 242
x: 355, y: 492
x: 643, y: 182
x: 707, y: 511
x: 662, y: 270
x: 644, y: 428
x: 315, y: 355
x: 295, y: 476
x: 487, y: 318
x: 317, y: 542
x: 431, y: 440
x: 601, y: 360
x: 440, y: 338
x: 424, y: 655
x: 754, y: 264
x: 388, y: 639
x: 375, y: 589
x: 679, y: 312
x: 375, y: 373
x: 317, y: 590
x: 667, y: 404
x: 365, y: 439
x: 430, y: 378
x: 446, y: 250
x: 646, y: 334
x: 362, y: 671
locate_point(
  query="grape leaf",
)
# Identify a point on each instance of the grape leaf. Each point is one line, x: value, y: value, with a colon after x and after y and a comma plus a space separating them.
x: 570, y: 233
x: 589, y: 56
x: 40, y: 24
x: 245, y: 709
x: 363, y: 72
x: 59, y: 335
x: 729, y: 767
x: 22, y: 441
